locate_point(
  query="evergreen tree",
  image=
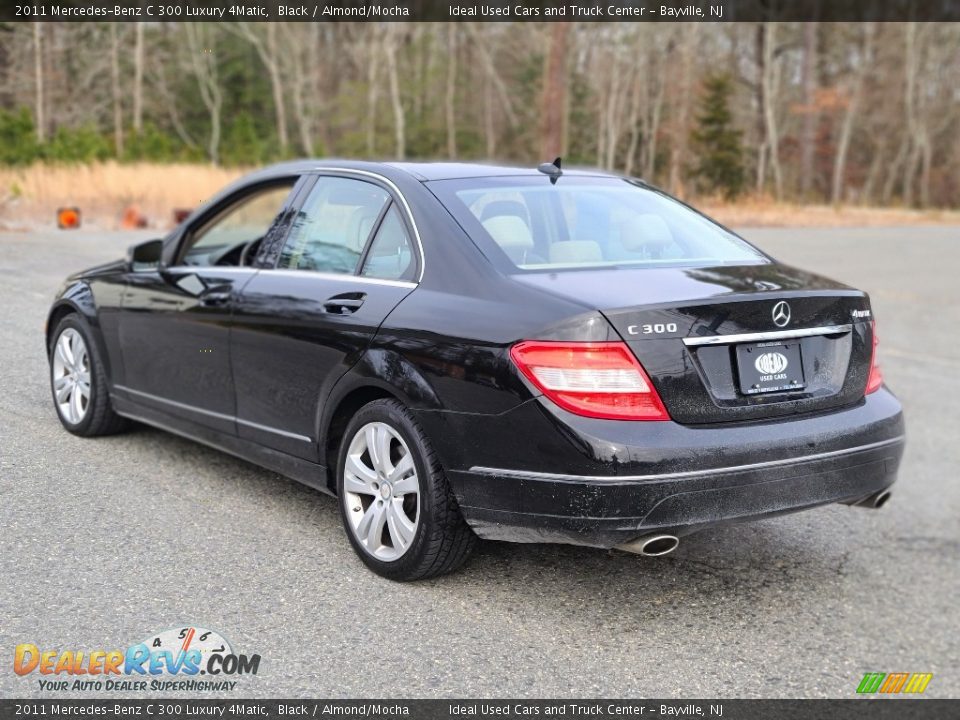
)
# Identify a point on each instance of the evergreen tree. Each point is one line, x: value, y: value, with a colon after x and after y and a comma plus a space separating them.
x: 719, y: 165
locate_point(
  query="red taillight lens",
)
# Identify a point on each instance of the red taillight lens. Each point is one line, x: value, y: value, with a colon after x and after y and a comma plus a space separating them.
x: 594, y: 379
x: 875, y: 379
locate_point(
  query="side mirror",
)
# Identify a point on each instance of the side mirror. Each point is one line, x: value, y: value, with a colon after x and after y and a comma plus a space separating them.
x: 146, y: 256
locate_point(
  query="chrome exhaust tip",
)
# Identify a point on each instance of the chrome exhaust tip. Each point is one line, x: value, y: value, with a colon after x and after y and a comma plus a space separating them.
x: 874, y: 502
x: 652, y: 545
x: 877, y: 500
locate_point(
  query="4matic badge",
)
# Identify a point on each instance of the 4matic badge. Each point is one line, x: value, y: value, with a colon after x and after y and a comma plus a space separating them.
x: 186, y: 651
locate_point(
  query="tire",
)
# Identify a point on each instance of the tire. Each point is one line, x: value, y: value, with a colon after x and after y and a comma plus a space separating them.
x: 441, y: 541
x: 95, y: 415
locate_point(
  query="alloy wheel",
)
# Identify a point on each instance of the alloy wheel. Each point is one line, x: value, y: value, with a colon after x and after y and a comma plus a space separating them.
x: 381, y: 491
x: 71, y: 376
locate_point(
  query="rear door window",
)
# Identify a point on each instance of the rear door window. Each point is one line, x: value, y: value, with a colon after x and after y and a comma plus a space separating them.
x: 332, y: 227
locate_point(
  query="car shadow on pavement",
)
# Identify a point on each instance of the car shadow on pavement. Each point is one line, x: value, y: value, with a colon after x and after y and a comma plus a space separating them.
x: 786, y: 559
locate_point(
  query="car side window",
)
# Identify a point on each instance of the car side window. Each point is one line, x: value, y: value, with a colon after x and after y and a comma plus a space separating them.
x: 332, y: 228
x: 222, y: 239
x: 390, y: 256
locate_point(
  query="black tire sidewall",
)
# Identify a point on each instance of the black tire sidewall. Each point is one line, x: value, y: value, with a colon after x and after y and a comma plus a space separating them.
x: 391, y: 413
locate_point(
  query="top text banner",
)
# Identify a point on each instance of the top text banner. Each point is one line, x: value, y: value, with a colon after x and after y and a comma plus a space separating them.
x: 467, y: 10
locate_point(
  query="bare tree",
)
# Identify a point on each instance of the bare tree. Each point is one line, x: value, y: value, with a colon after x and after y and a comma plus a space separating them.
x: 553, y: 97
x: 298, y: 38
x: 203, y: 63
x: 115, y: 90
x: 41, y: 120
x: 270, y: 55
x: 138, y: 79
x: 373, y: 48
x: 689, y: 35
x: 770, y: 82
x: 393, y: 76
x: 450, y: 97
x: 810, y: 114
x: 863, y: 61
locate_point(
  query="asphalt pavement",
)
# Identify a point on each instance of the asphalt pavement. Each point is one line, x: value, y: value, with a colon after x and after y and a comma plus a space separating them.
x: 105, y: 542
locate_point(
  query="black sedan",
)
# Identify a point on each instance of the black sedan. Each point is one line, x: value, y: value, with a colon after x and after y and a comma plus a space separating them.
x: 459, y: 350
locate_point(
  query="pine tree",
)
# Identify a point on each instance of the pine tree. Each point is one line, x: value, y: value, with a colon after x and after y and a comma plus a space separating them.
x: 717, y: 141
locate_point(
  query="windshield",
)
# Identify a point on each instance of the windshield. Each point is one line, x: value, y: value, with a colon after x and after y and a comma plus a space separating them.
x: 527, y: 224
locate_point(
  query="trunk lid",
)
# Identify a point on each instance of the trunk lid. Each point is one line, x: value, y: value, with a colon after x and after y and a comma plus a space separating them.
x: 700, y: 334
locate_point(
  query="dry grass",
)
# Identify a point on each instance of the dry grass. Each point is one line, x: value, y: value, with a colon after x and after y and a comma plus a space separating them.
x: 30, y: 196
x: 764, y: 212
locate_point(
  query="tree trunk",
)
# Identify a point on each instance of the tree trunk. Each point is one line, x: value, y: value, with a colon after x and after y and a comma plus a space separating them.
x: 270, y: 57
x: 489, y: 126
x: 138, y: 80
x: 204, y: 65
x: 38, y: 82
x: 552, y: 101
x: 849, y: 118
x: 115, y: 91
x: 450, y: 99
x: 373, y: 90
x: 810, y: 114
x: 681, y: 134
x: 759, y: 44
x: 770, y: 92
x: 276, y: 83
x: 486, y: 58
x: 393, y: 75
x: 298, y: 40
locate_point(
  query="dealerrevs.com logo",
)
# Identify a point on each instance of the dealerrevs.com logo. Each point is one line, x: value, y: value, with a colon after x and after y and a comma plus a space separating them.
x: 188, y: 658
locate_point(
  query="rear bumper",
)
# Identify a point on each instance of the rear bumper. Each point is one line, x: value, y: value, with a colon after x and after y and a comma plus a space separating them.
x: 674, y: 478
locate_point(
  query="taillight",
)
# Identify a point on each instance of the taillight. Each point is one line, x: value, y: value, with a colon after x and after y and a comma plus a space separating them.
x: 875, y: 378
x: 594, y: 379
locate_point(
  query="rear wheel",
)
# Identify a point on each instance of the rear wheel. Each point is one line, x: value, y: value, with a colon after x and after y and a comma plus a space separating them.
x: 397, y: 507
x: 79, y: 383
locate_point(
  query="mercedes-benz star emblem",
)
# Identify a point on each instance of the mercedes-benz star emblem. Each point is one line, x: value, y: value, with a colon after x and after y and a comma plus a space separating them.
x: 781, y: 313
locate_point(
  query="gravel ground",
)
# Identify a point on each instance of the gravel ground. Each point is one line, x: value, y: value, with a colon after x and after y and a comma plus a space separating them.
x: 104, y: 542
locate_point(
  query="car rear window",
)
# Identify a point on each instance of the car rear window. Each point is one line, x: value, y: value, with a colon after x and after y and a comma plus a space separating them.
x: 529, y: 224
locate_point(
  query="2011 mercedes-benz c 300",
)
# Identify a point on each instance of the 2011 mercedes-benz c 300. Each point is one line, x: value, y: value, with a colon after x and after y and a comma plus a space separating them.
x: 461, y: 350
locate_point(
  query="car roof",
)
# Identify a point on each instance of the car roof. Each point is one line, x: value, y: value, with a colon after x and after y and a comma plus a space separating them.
x: 423, y: 171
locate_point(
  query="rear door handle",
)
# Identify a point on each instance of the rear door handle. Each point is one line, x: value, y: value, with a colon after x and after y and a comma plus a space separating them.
x: 345, y: 303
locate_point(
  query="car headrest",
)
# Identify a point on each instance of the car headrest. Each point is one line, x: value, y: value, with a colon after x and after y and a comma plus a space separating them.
x: 504, y: 207
x: 572, y: 251
x: 509, y: 231
x: 645, y: 232
x: 359, y: 227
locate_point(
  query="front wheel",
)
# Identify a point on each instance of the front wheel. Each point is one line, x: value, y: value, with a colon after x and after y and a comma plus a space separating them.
x: 397, y: 507
x: 78, y: 381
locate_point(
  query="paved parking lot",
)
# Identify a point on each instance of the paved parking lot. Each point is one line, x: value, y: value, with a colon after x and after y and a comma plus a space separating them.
x: 104, y: 542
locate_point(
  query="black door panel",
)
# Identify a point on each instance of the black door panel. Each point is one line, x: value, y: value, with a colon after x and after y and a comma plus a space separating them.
x: 176, y: 342
x: 289, y: 348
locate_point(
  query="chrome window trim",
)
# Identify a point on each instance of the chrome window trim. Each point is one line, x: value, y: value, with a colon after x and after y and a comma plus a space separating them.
x: 762, y: 336
x: 533, y: 475
x: 341, y: 276
x: 211, y: 413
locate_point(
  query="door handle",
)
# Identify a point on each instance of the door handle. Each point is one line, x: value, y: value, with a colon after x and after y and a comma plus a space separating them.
x: 216, y: 295
x: 345, y: 303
